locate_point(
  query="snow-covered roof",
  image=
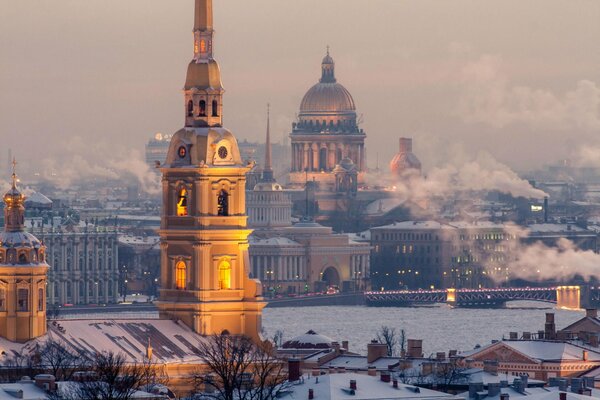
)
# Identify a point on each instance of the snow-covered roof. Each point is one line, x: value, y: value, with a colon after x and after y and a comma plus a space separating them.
x: 38, y: 198
x: 274, y: 241
x: 541, y: 350
x: 336, y: 387
x: 8, y: 391
x: 554, y: 228
x: 351, y: 362
x: 310, y: 339
x: 171, y: 341
x: 384, y: 206
x: 416, y: 225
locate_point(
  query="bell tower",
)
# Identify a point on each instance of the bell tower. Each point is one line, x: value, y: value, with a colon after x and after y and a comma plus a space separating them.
x: 23, y: 273
x: 203, y: 88
x: 204, y: 237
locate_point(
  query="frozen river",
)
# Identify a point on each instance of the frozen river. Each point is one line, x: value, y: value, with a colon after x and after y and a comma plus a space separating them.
x: 442, y: 328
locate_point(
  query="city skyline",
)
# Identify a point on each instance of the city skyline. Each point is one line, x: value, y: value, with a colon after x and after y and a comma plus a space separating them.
x: 115, y: 73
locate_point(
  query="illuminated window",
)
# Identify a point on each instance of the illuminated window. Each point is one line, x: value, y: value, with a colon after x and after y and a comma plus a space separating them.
x: 202, y: 46
x: 224, y: 275
x: 223, y: 203
x: 202, y: 108
x: 22, y: 300
x: 182, y: 203
x: 180, y: 275
x: 40, y: 299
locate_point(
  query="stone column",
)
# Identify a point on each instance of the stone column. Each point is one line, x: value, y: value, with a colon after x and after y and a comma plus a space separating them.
x: 164, y: 266
x: 315, y: 160
x: 305, y: 163
x: 331, y: 157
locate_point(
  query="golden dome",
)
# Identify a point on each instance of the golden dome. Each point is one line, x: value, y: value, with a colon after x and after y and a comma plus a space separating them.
x: 328, y: 98
x: 204, y: 75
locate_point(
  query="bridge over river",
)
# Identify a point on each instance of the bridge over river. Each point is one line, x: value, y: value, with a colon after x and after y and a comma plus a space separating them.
x: 572, y: 297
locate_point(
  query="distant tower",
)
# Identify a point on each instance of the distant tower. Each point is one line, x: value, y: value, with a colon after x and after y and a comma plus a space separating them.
x: 23, y: 273
x: 203, y: 88
x: 405, y: 162
x: 268, y: 205
x: 204, y: 236
x: 327, y: 132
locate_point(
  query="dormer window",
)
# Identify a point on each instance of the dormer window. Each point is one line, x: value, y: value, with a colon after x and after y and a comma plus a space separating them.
x: 182, y: 203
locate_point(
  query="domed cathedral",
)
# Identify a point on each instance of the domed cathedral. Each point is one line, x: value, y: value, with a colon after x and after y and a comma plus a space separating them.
x: 23, y: 274
x: 269, y: 206
x: 326, y: 133
x: 204, y: 235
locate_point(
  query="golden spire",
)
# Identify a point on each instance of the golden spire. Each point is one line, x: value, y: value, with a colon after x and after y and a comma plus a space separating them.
x: 14, y: 209
x: 14, y: 173
x: 203, y: 20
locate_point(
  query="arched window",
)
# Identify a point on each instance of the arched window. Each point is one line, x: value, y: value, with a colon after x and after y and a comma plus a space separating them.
x: 182, y: 203
x: 215, y: 108
x: 180, y: 275
x: 22, y: 300
x: 41, y: 299
x: 224, y: 275
x: 22, y: 258
x: 190, y: 108
x: 1, y: 256
x: 203, y: 46
x: 2, y: 300
x: 323, y: 159
x: 223, y: 203
x: 202, y: 108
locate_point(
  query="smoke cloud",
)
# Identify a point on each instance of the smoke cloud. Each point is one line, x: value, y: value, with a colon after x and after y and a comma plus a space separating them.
x: 489, y: 97
x: 101, y: 162
x: 539, y: 262
x: 480, y: 174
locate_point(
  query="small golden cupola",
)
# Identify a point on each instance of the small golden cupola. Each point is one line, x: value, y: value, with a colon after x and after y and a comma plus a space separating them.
x: 23, y: 273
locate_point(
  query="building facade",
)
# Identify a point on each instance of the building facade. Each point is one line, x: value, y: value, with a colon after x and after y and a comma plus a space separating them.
x: 204, y: 236
x: 308, y: 257
x: 85, y: 264
x: 326, y: 133
x: 430, y: 254
x: 157, y: 149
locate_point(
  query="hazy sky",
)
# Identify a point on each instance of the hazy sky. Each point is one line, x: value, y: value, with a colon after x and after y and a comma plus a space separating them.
x: 95, y: 78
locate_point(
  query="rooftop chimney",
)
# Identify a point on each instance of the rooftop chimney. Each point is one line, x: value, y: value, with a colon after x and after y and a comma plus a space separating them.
x: 562, y: 396
x: 591, y: 313
x: 293, y: 369
x: 353, y: 384
x: 375, y: 351
x: 550, y: 327
x: 311, y: 394
x: 415, y: 348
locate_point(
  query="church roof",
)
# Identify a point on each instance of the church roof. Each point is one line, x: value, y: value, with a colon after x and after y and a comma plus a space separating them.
x: 171, y: 342
x: 327, y: 97
x: 309, y: 340
x: 203, y: 75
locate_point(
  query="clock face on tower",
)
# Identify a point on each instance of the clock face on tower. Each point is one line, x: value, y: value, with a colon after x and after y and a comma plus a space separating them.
x: 223, y: 152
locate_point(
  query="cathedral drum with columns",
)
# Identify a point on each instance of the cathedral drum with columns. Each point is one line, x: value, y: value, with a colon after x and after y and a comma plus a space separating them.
x: 326, y: 133
x: 204, y: 237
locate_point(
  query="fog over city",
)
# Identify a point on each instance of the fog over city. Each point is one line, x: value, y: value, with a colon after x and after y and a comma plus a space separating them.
x: 85, y: 82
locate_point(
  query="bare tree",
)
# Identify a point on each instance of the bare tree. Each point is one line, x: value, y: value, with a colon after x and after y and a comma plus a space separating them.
x: 237, y: 368
x: 388, y: 336
x: 110, y: 378
x: 60, y: 361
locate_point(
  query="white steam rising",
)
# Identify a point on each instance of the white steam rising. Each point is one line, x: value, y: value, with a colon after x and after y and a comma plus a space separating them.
x: 490, y: 98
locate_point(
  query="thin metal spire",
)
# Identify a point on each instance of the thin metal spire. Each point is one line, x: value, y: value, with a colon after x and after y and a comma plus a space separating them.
x: 268, y: 168
x: 14, y: 173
